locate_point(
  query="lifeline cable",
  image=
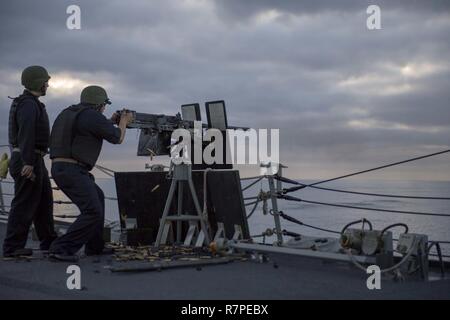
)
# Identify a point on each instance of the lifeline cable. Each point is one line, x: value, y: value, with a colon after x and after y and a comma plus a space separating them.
x: 381, y: 167
x: 302, y: 185
x: 363, y: 208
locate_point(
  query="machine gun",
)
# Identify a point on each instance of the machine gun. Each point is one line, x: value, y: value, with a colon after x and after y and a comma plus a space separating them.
x: 157, y: 129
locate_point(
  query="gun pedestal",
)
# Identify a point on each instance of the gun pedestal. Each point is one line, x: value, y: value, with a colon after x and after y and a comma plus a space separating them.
x: 182, y: 173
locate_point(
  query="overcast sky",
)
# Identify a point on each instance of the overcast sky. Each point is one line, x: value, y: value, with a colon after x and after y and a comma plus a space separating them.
x: 345, y: 98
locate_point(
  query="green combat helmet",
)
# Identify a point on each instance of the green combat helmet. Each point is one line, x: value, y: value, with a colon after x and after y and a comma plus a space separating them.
x: 94, y: 95
x: 34, y: 78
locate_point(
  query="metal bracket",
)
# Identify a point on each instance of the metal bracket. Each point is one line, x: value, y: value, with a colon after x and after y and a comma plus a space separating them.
x: 237, y: 232
x: 191, y: 233
x: 194, y: 235
x: 220, y: 233
x: 167, y: 232
x: 200, y: 239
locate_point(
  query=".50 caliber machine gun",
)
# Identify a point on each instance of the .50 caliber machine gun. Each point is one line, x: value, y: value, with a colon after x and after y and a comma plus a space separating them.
x: 157, y: 129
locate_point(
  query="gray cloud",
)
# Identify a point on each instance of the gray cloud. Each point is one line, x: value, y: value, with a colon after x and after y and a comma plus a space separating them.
x: 246, y: 9
x: 340, y: 94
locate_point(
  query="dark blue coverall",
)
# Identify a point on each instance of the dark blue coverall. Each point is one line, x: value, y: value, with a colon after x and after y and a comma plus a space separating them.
x: 33, y: 199
x: 79, y: 185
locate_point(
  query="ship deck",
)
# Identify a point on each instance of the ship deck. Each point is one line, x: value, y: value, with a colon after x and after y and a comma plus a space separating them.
x: 282, y: 277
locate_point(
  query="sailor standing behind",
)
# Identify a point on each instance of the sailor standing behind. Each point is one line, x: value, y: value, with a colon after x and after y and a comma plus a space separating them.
x: 29, y: 131
x: 75, y: 144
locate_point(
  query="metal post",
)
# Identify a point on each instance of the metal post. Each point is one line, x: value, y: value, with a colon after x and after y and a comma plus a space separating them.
x: 275, y: 212
x: 197, y: 208
x: 179, y: 209
x: 280, y: 173
x: 165, y: 213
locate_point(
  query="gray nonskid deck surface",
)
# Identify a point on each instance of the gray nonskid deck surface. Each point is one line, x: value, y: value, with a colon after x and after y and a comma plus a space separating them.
x: 295, y: 278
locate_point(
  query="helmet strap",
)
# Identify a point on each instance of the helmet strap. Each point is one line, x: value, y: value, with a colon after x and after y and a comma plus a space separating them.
x: 42, y: 90
x: 99, y: 107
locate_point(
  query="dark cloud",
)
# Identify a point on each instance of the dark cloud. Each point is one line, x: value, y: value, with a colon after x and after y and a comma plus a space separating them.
x: 340, y: 94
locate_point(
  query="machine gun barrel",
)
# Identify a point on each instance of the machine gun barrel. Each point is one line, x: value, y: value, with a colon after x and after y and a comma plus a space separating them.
x: 158, y: 122
x: 162, y: 122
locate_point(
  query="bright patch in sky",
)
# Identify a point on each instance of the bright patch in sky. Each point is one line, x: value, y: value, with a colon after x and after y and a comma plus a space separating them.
x: 387, y: 125
x: 62, y: 84
x: 418, y: 70
x: 267, y: 16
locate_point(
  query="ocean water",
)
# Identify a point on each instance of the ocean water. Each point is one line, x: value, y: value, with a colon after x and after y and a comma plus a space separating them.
x: 437, y: 228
